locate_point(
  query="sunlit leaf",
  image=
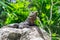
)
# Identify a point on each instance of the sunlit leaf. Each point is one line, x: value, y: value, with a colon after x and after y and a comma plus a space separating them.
x: 33, y: 8
x: 50, y: 22
x: 54, y: 34
x: 43, y: 15
x: 47, y: 6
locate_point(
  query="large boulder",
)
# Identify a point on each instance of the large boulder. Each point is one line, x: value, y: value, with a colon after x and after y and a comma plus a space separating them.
x: 7, y: 33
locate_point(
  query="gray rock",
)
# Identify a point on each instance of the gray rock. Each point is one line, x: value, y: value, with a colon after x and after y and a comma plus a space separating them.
x: 22, y: 34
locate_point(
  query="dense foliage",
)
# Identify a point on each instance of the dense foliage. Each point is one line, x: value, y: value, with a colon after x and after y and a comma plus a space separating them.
x: 16, y: 11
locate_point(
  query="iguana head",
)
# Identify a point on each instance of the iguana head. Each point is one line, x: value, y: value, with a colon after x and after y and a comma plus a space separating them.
x: 32, y: 17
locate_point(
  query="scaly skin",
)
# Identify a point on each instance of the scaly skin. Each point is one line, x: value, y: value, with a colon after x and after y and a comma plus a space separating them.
x: 29, y: 21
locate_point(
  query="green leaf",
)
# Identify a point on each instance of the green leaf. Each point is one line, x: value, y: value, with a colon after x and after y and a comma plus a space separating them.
x: 43, y: 15
x: 47, y: 6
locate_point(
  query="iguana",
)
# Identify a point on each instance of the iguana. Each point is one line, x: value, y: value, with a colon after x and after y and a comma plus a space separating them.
x: 29, y: 21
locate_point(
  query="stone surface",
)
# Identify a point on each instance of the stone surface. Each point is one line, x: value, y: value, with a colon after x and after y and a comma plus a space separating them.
x: 22, y: 34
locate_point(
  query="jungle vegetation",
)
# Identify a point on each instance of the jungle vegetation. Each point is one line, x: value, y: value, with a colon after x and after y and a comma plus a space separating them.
x: 16, y: 11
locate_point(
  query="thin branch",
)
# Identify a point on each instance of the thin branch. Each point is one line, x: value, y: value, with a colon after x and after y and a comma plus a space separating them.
x: 51, y: 9
x: 40, y: 22
x: 49, y: 32
x: 51, y: 16
x: 56, y: 3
